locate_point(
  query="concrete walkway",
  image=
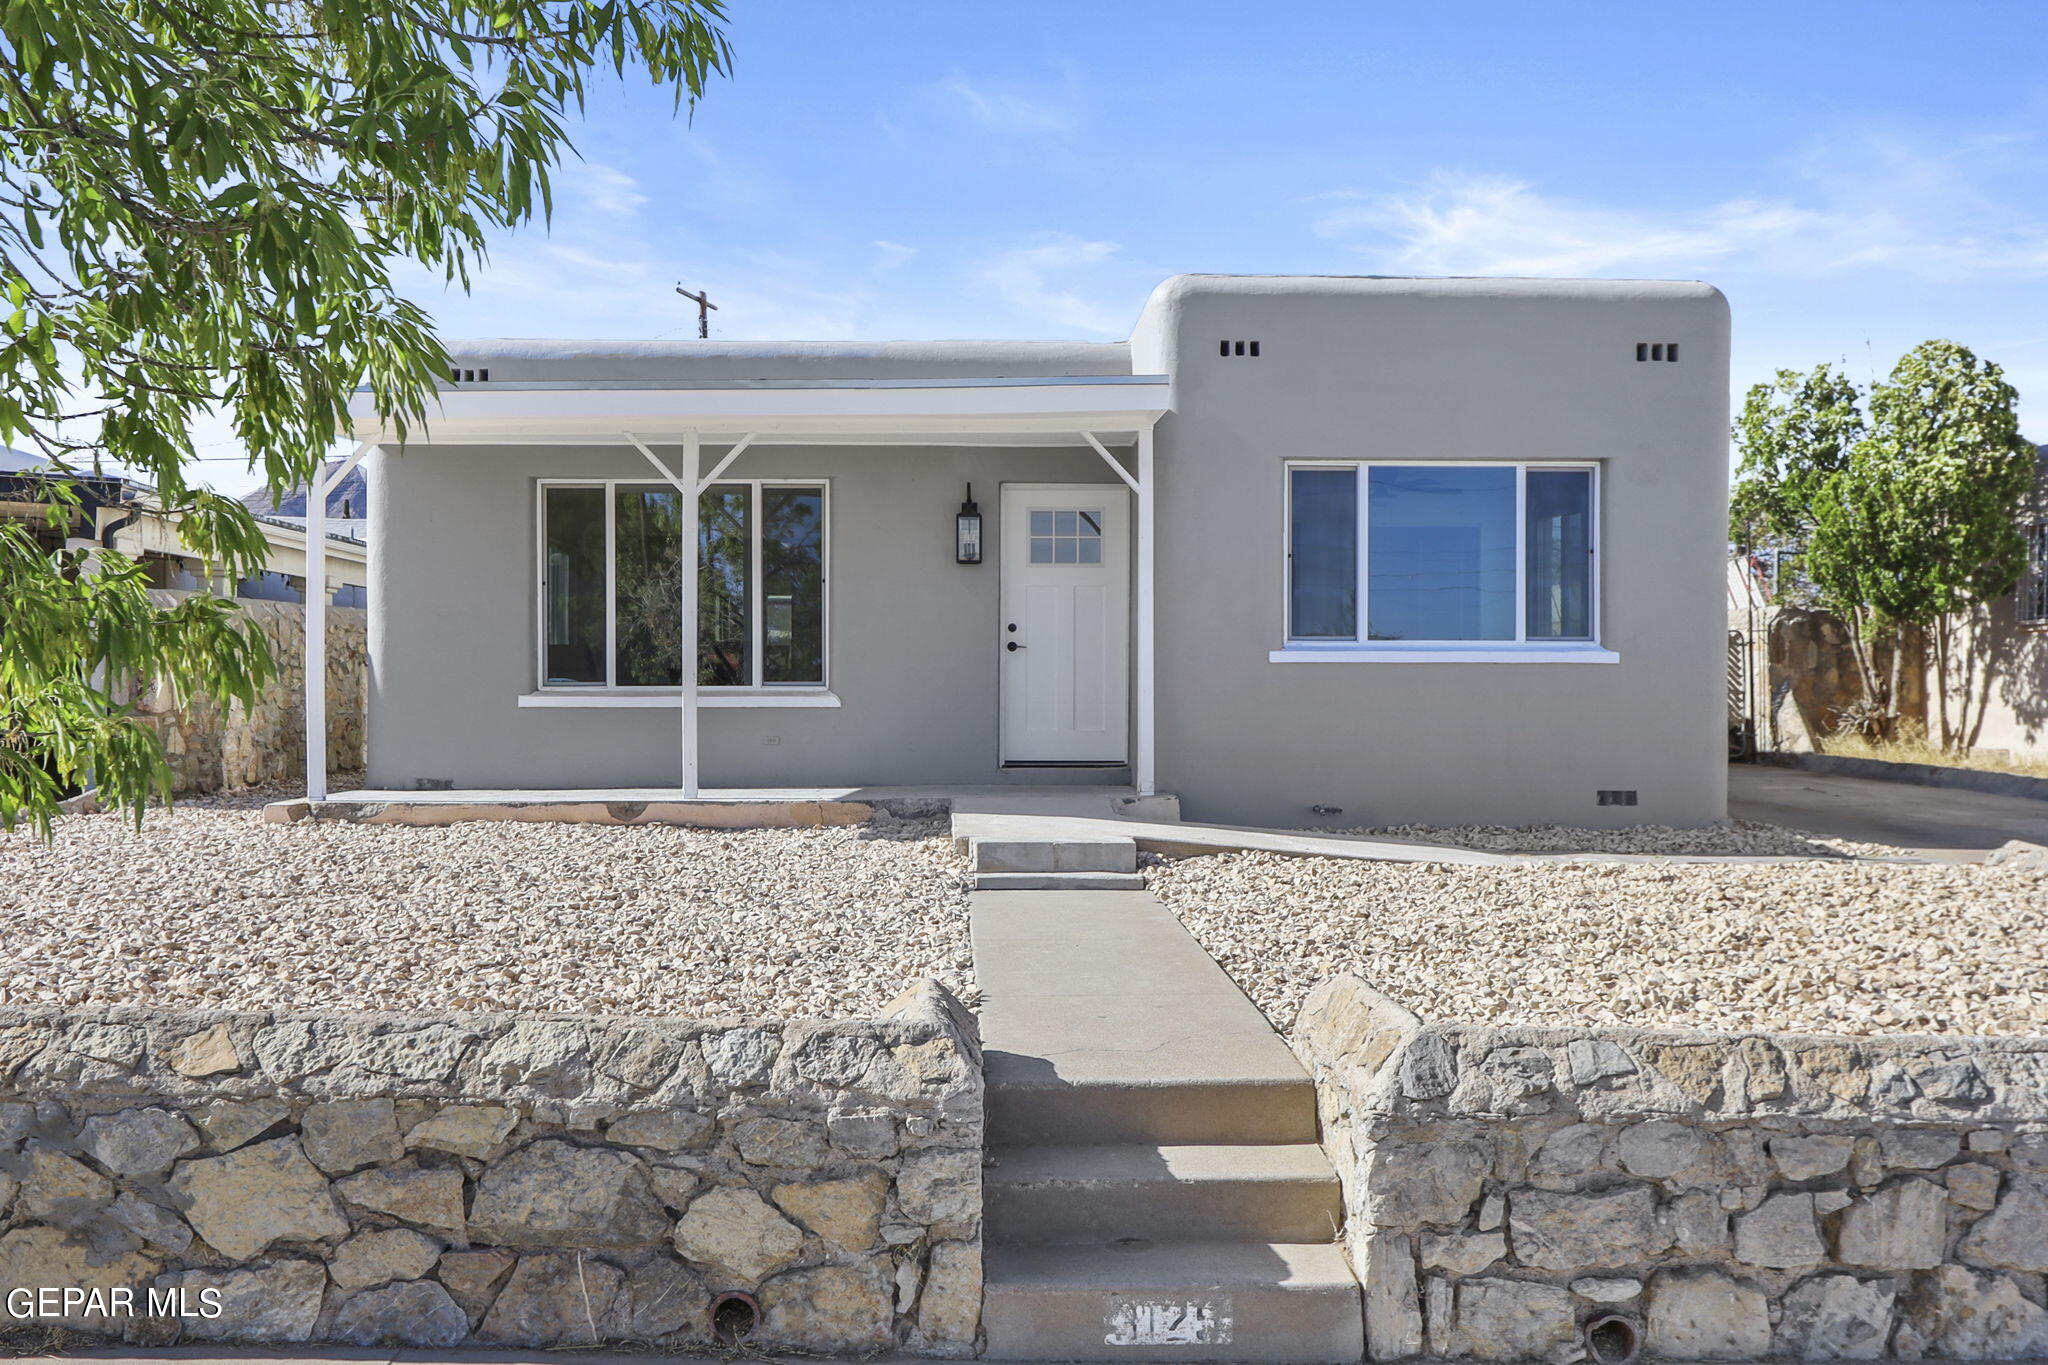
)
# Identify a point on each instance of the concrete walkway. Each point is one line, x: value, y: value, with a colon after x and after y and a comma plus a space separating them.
x: 1154, y: 1181
x: 1933, y: 822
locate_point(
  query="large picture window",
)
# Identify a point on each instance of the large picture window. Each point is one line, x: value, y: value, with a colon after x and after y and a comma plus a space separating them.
x: 1440, y: 554
x: 611, y: 584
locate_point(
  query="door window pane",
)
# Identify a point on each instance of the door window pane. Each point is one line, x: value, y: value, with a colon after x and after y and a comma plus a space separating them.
x: 1066, y: 537
x: 1558, y: 547
x: 1440, y: 553
x: 724, y: 628
x: 574, y: 585
x: 649, y: 588
x: 793, y: 585
x: 1322, y: 588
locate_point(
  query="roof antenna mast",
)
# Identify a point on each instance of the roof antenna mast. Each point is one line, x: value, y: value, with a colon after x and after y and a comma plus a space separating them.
x: 705, y: 308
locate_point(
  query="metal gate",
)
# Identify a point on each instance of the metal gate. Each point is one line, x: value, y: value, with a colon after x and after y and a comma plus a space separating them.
x: 1741, y: 721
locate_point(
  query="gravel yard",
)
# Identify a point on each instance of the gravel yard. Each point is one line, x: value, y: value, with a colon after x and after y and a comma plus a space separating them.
x: 1827, y: 946
x: 1743, y: 837
x: 208, y: 906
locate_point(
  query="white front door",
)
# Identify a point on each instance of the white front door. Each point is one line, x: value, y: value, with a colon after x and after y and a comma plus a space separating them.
x: 1065, y: 632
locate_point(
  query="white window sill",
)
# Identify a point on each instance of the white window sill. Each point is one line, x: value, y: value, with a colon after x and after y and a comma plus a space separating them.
x: 1444, y: 654
x: 723, y: 699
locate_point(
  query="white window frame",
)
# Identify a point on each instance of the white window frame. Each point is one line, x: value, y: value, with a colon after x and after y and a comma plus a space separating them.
x: 768, y: 693
x: 1521, y: 649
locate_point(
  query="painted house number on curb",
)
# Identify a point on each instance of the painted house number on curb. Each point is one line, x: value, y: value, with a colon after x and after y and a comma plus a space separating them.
x: 1175, y: 1322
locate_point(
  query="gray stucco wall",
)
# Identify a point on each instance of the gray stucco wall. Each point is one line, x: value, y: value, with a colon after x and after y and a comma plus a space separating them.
x: 1452, y: 370
x: 1408, y: 370
x: 912, y: 642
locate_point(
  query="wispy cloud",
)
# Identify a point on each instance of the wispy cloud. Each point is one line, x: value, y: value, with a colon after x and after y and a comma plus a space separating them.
x: 594, y: 187
x: 1870, y: 206
x: 1038, y: 280
x: 1018, y: 108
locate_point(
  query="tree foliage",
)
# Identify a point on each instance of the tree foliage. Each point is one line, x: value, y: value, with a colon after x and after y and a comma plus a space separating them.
x: 202, y: 203
x: 1906, y: 517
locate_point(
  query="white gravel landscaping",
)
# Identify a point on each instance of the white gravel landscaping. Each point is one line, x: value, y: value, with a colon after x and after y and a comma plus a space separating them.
x: 209, y: 906
x: 1728, y: 837
x: 1827, y: 946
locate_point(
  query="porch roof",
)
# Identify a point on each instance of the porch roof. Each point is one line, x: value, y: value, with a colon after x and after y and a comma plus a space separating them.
x: 1032, y: 410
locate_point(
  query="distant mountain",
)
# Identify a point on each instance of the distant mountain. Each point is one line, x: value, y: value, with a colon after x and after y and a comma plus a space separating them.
x: 350, y: 500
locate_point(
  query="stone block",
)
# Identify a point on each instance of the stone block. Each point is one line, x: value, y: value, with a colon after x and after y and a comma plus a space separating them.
x: 736, y: 1234
x: 552, y: 1193
x: 1836, y: 1317
x: 830, y: 1310
x: 471, y: 1130
x: 278, y: 1302
x: 1780, y: 1234
x: 847, y: 1214
x: 1964, y: 1314
x: 418, y: 1314
x: 1698, y: 1314
x: 137, y: 1142
x: 666, y: 1304
x: 788, y: 1144
x: 242, y: 1202
x: 1570, y: 1152
x: 1972, y: 1185
x: 1412, y: 1183
x: 347, y: 1135
x: 662, y: 1130
x: 1515, y: 1320
x: 1903, y: 1226
x: 58, y: 1188
x: 942, y: 1190
x: 949, y: 1305
x: 1578, y: 1232
x: 1918, y: 1149
x: 1462, y: 1253
x: 377, y: 1256
x: 868, y: 1134
x: 2014, y: 1236
x: 42, y: 1256
x: 430, y: 1198
x: 210, y: 1052
x: 1658, y: 1150
x: 473, y: 1277
x: 229, y: 1124
x: 1393, y: 1309
x: 1810, y: 1158
x: 152, y: 1224
x: 556, y: 1299
x: 1608, y: 1289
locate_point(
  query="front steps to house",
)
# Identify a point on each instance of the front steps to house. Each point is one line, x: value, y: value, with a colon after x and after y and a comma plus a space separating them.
x: 1155, y: 1191
x: 1105, y: 863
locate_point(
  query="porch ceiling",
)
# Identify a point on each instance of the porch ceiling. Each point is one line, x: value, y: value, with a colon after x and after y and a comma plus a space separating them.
x: 1017, y: 412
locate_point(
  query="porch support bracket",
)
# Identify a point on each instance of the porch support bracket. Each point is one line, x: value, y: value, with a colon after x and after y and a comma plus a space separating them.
x: 315, y: 647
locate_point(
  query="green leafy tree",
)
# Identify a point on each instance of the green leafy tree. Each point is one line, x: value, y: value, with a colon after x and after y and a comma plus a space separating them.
x: 201, y: 205
x: 1932, y: 493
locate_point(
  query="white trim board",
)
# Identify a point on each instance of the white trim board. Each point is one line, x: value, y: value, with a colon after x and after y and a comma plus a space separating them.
x: 748, y: 700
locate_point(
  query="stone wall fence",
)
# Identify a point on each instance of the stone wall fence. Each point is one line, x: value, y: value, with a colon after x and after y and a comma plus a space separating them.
x: 213, y: 748
x: 1553, y: 1193
x: 529, y: 1182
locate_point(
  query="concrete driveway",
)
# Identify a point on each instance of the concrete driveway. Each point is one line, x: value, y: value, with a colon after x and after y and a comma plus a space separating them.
x: 1956, y: 826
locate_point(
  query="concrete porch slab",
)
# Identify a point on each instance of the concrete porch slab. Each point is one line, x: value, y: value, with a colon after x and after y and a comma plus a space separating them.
x: 712, y: 808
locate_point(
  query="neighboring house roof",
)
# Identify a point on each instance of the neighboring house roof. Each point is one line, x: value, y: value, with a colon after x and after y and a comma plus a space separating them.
x: 349, y: 500
x: 14, y: 461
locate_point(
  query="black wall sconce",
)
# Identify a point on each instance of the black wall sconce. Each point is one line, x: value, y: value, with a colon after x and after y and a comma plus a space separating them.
x: 967, y: 532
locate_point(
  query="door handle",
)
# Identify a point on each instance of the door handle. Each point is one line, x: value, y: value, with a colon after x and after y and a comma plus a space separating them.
x: 1013, y: 646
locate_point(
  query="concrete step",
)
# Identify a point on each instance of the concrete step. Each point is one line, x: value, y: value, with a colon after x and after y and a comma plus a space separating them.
x: 1059, y: 881
x: 1097, y: 1194
x: 1103, y: 854
x: 1271, y: 1303
x: 1027, y: 1106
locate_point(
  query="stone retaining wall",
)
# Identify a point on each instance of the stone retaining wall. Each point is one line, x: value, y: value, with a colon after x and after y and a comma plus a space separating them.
x: 1733, y: 1196
x: 213, y: 748
x: 500, y: 1181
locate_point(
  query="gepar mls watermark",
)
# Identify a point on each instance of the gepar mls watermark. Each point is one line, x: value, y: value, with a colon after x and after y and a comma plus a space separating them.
x: 48, y: 1302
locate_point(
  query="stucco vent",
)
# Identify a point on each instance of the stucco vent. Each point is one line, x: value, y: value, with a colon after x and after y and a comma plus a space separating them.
x: 1615, y: 798
x: 1657, y: 350
x: 469, y: 376
x: 1229, y: 348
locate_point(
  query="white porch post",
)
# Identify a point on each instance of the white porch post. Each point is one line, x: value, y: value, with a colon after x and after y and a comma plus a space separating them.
x: 1145, y: 767
x: 315, y: 647
x: 692, y: 454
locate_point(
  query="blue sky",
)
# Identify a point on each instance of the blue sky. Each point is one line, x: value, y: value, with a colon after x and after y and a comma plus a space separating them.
x: 1856, y: 177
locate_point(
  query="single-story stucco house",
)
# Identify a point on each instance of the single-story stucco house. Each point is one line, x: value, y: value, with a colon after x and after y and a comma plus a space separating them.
x: 1304, y: 551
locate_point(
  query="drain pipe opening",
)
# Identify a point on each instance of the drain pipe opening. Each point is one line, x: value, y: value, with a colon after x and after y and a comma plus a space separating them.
x: 1612, y: 1339
x: 734, y: 1317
